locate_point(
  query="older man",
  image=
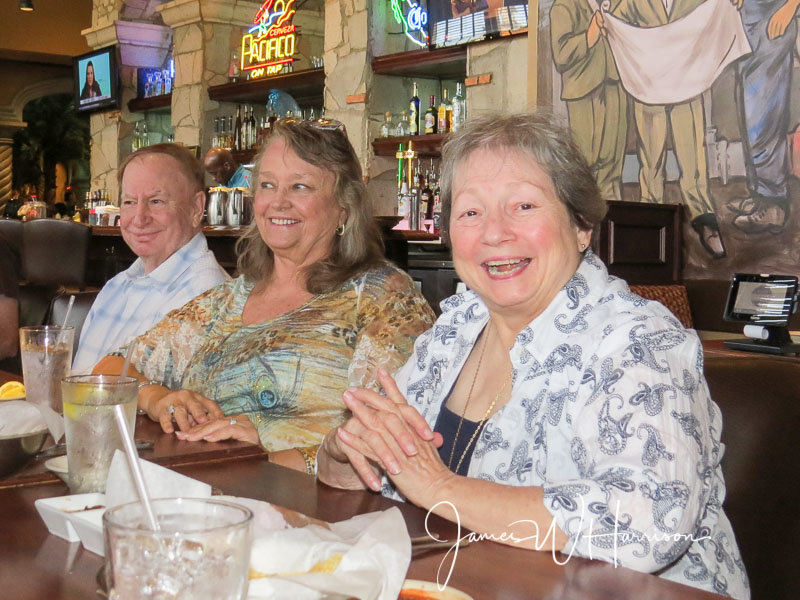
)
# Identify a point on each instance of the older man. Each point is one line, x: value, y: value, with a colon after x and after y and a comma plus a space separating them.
x: 224, y: 169
x: 161, y: 206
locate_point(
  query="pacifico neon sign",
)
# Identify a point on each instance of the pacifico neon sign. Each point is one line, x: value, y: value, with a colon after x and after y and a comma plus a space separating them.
x: 270, y: 42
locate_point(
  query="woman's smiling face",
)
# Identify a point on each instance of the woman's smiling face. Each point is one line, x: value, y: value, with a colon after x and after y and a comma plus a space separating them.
x: 513, y: 242
x: 294, y: 206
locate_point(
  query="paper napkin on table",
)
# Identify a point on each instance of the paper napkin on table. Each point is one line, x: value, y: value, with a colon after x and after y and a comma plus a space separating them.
x: 364, y: 557
x: 18, y: 417
x: 160, y: 481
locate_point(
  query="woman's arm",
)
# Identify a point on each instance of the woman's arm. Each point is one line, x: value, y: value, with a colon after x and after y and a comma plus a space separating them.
x: 188, y: 408
x: 388, y: 436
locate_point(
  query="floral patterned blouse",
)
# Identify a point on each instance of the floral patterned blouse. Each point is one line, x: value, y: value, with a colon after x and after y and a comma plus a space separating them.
x: 610, y: 414
x: 287, y: 374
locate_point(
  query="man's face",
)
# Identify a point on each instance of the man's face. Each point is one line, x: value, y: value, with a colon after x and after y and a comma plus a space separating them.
x: 220, y: 170
x: 159, y: 213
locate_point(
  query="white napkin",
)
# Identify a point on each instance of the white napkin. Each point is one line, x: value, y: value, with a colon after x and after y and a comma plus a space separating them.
x: 161, y: 482
x: 18, y: 417
x: 375, y: 553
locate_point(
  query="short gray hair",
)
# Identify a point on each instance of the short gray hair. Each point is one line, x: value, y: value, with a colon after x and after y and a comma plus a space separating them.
x: 548, y: 142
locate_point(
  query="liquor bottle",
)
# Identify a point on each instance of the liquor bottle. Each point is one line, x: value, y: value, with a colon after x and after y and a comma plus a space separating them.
x: 426, y: 197
x: 403, y: 125
x: 403, y: 200
x: 386, y: 126
x: 443, y: 114
x: 459, y: 109
x: 237, y: 129
x: 136, y: 142
x: 253, y: 130
x: 413, y: 113
x: 215, y: 139
x: 437, y: 203
x: 145, y: 136
x: 430, y: 116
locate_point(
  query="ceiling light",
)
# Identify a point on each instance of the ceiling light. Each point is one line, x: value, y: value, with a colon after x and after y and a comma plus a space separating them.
x: 26, y: 5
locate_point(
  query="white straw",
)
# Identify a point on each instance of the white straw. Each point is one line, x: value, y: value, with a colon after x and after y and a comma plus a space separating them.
x: 66, y: 319
x: 130, y: 451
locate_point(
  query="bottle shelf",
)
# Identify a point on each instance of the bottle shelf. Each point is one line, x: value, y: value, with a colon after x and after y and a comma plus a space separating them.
x: 152, y: 103
x: 306, y: 87
x: 429, y: 145
x: 440, y: 63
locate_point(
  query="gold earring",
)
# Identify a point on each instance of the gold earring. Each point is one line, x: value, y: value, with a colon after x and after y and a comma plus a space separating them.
x: 340, y: 230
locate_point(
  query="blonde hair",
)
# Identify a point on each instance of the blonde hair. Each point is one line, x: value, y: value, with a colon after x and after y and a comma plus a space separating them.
x: 358, y: 248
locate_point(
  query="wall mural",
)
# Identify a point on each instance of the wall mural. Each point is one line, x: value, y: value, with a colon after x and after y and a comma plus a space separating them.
x: 692, y: 102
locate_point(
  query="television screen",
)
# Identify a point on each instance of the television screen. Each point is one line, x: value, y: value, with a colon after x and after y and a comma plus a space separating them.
x: 452, y: 22
x: 96, y: 80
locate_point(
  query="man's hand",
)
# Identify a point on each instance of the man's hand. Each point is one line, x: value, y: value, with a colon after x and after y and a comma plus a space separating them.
x: 596, y: 28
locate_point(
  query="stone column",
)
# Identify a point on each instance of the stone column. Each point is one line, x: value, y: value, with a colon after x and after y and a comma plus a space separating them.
x: 205, y: 32
x: 348, y: 71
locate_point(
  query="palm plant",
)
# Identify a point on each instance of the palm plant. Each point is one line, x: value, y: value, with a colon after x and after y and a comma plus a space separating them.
x: 56, y: 133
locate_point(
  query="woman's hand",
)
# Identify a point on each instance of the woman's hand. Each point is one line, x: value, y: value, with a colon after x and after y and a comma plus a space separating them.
x: 342, y: 465
x: 233, y: 427
x: 383, y: 431
x: 187, y: 408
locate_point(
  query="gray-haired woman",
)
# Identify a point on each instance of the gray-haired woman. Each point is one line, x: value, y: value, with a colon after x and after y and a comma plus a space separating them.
x: 266, y: 357
x: 548, y: 394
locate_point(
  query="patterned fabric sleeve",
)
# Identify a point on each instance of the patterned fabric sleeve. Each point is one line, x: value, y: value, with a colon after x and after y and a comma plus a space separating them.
x: 642, y: 442
x: 163, y: 352
x: 394, y: 314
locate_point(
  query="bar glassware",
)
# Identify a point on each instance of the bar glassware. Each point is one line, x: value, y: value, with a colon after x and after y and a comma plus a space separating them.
x: 201, y: 552
x: 46, y: 354
x: 91, y: 431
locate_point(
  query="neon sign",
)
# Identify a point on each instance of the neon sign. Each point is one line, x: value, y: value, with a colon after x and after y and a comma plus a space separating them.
x: 270, y: 42
x: 413, y: 22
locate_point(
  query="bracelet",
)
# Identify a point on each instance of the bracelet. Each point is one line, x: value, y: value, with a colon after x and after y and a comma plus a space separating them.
x: 146, y: 383
x: 310, y: 457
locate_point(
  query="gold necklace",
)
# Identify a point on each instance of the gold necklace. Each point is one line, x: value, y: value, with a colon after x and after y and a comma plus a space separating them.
x: 469, y: 395
x: 478, y: 428
x: 466, y: 405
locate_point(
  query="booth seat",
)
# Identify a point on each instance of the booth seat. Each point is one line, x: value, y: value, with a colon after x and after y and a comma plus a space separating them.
x: 759, y: 397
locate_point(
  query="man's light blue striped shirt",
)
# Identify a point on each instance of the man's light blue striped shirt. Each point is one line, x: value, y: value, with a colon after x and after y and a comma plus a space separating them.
x: 132, y: 302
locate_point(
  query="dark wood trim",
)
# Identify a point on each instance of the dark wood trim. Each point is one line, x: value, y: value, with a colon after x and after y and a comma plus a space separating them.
x: 440, y: 63
x: 425, y: 145
x: 306, y: 87
x: 152, y: 103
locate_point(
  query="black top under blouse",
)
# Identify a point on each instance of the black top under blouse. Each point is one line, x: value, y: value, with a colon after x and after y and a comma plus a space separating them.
x: 447, y: 425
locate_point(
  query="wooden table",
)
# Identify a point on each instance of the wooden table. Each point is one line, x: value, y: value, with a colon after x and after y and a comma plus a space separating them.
x: 167, y: 450
x: 37, y: 566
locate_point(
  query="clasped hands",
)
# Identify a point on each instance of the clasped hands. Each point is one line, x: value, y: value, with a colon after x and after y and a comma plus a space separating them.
x: 197, y: 417
x: 387, y: 435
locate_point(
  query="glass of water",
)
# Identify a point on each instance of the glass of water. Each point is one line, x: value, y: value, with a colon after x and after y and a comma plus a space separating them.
x: 202, y: 551
x: 91, y: 428
x: 46, y: 354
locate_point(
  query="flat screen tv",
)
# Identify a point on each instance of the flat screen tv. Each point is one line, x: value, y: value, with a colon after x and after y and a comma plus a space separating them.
x: 96, y: 80
x: 452, y: 22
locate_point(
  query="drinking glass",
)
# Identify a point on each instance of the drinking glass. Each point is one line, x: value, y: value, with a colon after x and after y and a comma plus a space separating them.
x: 46, y: 354
x: 202, y: 551
x: 90, y: 426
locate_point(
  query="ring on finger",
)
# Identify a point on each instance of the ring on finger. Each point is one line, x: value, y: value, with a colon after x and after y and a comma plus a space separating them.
x: 171, y: 409
x: 232, y: 421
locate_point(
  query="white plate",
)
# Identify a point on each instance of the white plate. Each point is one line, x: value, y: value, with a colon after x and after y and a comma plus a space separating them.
x: 433, y: 592
x: 55, y: 512
x: 58, y: 465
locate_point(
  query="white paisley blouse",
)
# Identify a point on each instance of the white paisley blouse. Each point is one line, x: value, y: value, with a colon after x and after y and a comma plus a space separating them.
x: 609, y: 413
